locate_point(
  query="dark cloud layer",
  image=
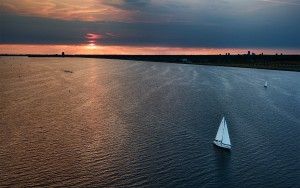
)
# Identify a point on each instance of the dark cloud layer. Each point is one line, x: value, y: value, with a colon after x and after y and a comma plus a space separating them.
x: 127, y: 4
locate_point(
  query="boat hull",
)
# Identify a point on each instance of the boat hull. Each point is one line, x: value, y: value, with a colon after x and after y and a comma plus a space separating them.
x: 221, y: 145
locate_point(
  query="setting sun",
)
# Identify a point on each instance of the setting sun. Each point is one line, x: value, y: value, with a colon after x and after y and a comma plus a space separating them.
x: 91, y: 46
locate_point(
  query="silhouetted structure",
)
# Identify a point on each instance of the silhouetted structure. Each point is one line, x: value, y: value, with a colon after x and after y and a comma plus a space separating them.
x: 63, y: 54
x: 248, y: 52
x: 284, y: 62
x: 184, y: 60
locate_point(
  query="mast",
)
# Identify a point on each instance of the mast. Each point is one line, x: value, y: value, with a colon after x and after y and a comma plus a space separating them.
x: 223, y: 129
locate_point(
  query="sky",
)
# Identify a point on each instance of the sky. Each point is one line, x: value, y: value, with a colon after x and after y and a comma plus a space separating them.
x: 149, y: 26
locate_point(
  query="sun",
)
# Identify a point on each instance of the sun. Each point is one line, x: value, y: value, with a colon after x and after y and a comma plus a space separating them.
x: 91, y: 46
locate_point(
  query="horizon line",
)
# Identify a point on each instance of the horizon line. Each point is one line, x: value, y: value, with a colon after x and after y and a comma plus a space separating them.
x: 135, y: 50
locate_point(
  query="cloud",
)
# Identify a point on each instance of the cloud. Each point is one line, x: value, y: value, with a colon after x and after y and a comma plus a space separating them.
x: 190, y: 23
x: 31, y: 30
x: 93, y: 10
x: 92, y: 36
x: 89, y: 10
x: 286, y: 2
x: 147, y: 11
x: 112, y: 10
x: 127, y: 4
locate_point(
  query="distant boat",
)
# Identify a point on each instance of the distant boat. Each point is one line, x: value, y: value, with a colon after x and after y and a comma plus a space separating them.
x: 222, y: 138
x: 266, y: 84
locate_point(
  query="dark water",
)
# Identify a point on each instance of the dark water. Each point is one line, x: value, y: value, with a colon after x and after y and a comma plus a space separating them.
x: 115, y: 123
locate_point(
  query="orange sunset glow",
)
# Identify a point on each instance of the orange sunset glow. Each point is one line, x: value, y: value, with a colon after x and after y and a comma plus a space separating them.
x: 92, y: 48
x: 91, y: 10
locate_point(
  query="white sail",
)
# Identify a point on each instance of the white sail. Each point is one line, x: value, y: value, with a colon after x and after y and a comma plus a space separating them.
x: 220, y: 130
x: 226, y: 139
x: 266, y: 84
x: 222, y: 138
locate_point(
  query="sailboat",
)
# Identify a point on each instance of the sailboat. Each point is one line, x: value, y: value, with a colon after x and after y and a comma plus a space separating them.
x: 266, y: 84
x: 222, y: 138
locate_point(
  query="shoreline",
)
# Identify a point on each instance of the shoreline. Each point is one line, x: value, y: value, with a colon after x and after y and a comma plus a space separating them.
x: 272, y: 62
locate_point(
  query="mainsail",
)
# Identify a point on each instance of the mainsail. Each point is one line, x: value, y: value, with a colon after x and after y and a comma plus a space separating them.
x: 226, y: 139
x: 219, y: 135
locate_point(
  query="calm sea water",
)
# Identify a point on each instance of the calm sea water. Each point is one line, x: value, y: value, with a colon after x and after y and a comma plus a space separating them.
x: 114, y: 123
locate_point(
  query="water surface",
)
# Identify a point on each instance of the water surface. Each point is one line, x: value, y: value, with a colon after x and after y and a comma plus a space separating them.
x: 114, y: 123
